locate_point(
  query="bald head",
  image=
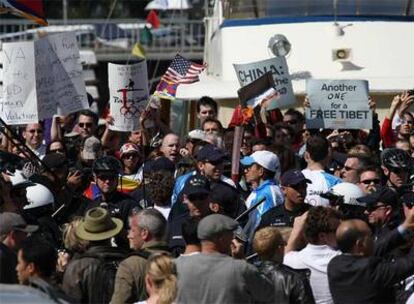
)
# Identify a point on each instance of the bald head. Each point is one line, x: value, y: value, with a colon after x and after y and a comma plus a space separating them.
x: 354, y: 236
x: 170, y: 147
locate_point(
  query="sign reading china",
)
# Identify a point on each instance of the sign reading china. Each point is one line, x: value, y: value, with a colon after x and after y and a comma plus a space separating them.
x: 338, y: 104
x: 277, y: 66
x: 128, y: 89
x: 41, y: 78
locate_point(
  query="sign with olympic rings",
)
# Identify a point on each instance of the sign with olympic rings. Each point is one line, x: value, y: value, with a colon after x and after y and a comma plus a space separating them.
x: 128, y: 89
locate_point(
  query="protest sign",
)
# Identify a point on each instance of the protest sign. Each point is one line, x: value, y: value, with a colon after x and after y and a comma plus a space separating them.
x: 247, y: 73
x: 128, y: 90
x: 42, y: 78
x: 338, y: 104
x: 18, y: 104
x: 59, y: 80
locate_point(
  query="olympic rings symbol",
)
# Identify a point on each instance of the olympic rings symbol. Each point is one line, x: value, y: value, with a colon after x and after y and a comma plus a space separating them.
x: 129, y: 111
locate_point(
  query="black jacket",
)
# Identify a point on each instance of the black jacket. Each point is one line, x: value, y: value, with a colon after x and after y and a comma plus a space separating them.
x: 357, y: 279
x: 291, y: 285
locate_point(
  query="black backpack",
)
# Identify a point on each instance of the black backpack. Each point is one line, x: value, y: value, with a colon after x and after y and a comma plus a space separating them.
x: 101, y: 279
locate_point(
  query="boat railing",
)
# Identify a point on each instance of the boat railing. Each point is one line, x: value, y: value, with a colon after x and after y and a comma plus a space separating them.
x: 118, y: 36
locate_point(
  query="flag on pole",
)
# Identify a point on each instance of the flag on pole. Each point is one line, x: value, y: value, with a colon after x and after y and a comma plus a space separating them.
x: 138, y: 50
x: 30, y: 9
x: 153, y: 19
x: 180, y: 71
x: 166, y: 90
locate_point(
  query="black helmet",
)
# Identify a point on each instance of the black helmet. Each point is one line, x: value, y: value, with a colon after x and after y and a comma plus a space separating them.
x: 393, y: 158
x: 107, y: 163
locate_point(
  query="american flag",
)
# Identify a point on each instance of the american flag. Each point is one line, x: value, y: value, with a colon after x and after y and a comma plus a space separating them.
x: 182, y: 70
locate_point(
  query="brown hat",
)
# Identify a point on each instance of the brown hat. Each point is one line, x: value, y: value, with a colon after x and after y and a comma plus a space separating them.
x: 98, y: 225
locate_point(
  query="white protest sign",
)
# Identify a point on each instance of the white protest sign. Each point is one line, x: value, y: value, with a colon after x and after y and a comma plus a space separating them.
x: 128, y: 91
x: 247, y: 73
x: 59, y: 80
x: 18, y: 104
x: 338, y: 104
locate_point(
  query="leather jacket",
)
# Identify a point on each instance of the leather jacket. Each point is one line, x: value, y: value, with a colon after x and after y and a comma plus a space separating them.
x: 291, y: 285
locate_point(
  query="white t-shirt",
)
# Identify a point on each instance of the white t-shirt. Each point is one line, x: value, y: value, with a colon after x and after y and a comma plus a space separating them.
x: 316, y: 259
x: 321, y: 183
x: 165, y: 210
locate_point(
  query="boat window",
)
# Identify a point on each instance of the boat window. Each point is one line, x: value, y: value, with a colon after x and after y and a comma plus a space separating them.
x: 235, y: 9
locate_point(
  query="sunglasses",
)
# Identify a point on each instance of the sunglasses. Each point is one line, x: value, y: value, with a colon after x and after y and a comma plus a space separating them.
x: 38, y: 131
x: 57, y: 151
x: 371, y: 181
x: 130, y: 155
x: 85, y: 124
x: 107, y: 176
x: 409, y: 205
x: 397, y: 170
x: 373, y: 208
x: 291, y: 122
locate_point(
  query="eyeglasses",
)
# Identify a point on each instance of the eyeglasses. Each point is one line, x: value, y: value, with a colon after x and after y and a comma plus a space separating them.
x: 409, y: 122
x: 85, y: 124
x: 38, y: 131
x: 371, y: 181
x: 374, y: 208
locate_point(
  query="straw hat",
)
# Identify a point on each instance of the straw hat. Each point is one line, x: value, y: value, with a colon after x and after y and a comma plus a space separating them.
x: 98, y: 225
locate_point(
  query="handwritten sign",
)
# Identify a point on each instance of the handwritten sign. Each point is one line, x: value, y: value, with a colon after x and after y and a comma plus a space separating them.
x: 42, y: 78
x: 338, y: 104
x: 59, y: 80
x: 128, y: 89
x: 18, y: 104
x: 247, y: 73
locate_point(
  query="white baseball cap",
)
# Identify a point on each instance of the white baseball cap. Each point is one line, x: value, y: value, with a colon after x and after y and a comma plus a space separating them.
x: 265, y: 159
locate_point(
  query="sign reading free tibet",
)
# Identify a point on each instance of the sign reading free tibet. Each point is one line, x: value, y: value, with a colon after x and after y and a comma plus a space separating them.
x: 338, y: 104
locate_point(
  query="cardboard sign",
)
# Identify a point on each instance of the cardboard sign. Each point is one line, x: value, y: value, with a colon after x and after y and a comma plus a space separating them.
x: 59, y: 80
x: 338, y: 104
x: 247, y: 73
x: 42, y: 78
x: 258, y: 92
x: 128, y: 89
x: 18, y: 104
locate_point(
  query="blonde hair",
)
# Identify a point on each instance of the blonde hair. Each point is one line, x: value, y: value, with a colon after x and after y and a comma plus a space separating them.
x: 162, y: 272
x: 70, y: 240
x: 266, y: 241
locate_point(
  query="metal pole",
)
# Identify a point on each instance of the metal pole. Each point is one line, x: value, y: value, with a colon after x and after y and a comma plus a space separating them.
x: 65, y: 11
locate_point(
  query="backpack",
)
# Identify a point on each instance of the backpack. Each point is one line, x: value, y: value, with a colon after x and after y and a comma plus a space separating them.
x: 101, y: 279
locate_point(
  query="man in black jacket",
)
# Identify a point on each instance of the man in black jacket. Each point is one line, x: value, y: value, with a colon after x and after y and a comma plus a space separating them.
x: 361, y: 274
x: 290, y: 285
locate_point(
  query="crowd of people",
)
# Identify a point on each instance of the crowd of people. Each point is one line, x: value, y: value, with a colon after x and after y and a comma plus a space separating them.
x: 92, y: 215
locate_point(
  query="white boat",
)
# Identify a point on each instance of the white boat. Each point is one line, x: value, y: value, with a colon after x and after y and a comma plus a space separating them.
x: 360, y: 39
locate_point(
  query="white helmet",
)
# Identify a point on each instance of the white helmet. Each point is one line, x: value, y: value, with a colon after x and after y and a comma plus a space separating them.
x: 350, y: 192
x: 38, y: 196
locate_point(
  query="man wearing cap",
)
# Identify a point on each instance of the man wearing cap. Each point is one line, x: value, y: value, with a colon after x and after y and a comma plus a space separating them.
x: 196, y: 204
x: 381, y: 210
x: 89, y: 277
x: 293, y: 184
x: 260, y: 169
x: 210, y: 160
x: 213, y: 276
x: 91, y: 149
x: 13, y: 230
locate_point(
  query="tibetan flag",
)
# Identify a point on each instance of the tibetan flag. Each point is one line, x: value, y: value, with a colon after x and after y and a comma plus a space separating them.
x: 126, y: 185
x: 153, y: 19
x: 182, y: 70
x: 166, y: 90
x: 30, y: 9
